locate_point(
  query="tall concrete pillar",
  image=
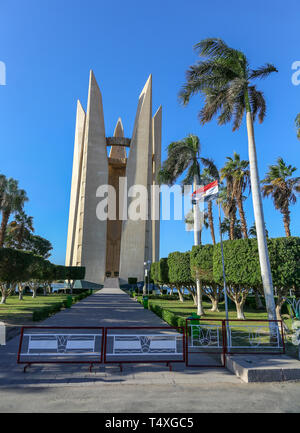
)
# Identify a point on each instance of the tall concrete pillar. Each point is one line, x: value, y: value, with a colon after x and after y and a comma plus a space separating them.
x: 137, y: 235
x: 156, y: 140
x: 118, y: 152
x: 75, y: 186
x: 116, y: 169
x: 92, y: 231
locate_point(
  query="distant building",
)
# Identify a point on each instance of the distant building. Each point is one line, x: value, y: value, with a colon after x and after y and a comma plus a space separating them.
x: 113, y: 248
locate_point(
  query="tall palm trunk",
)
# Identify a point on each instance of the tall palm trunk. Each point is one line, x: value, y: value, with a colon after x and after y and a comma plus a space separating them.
x: 4, y: 222
x: 211, y: 221
x: 231, y: 227
x: 286, y: 221
x: 259, y: 220
x: 242, y: 217
x: 197, y: 241
x: 232, y: 220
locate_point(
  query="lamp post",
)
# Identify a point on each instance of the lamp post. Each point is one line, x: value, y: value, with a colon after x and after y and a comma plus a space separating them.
x: 146, y: 288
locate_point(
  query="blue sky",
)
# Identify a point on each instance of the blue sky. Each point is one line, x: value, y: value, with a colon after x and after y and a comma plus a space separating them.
x: 49, y: 46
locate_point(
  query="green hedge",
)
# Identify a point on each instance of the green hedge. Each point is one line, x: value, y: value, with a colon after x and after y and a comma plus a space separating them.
x: 45, y: 312
x: 251, y: 303
x: 179, y: 268
x: 202, y: 262
x: 132, y: 280
x: 166, y: 315
x: 242, y: 262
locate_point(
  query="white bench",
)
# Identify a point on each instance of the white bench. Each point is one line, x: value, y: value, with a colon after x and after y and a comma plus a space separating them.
x: 146, y: 344
x: 61, y: 344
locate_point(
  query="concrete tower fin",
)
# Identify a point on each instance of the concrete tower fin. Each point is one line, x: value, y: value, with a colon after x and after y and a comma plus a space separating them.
x: 156, y: 149
x: 75, y: 185
x: 136, y: 235
x: 119, y: 130
x: 118, y: 152
x: 92, y: 231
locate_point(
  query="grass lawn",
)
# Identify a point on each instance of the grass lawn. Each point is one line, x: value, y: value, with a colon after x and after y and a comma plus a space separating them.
x: 186, y: 308
x: 16, y: 312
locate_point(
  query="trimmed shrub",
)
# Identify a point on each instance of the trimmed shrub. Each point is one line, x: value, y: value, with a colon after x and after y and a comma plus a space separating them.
x: 168, y: 316
x: 43, y: 313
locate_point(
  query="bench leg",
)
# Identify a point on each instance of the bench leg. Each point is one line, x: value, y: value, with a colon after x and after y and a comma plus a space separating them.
x: 169, y: 365
x: 26, y: 366
x: 121, y: 367
x: 91, y: 366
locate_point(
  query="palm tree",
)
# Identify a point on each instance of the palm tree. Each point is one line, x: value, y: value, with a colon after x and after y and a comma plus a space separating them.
x: 226, y: 228
x: 228, y: 204
x: 252, y: 232
x: 297, y: 122
x: 236, y: 170
x: 210, y: 174
x: 224, y: 77
x: 183, y: 157
x: 279, y: 184
x: 2, y: 186
x: 20, y: 229
x: 12, y: 201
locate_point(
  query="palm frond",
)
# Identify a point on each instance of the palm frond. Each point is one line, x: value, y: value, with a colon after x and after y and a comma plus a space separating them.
x: 214, y: 100
x: 258, y: 103
x: 239, y: 110
x: 263, y: 71
x: 216, y: 48
x: 222, y: 77
x: 211, y: 167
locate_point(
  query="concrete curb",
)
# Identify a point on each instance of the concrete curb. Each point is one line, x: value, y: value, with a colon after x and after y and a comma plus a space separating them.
x: 264, y: 368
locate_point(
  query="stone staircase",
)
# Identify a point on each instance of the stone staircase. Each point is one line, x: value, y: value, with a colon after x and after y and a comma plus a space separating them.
x: 111, y: 283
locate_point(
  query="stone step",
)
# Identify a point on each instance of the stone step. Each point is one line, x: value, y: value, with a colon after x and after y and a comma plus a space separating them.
x: 264, y: 368
x: 111, y: 283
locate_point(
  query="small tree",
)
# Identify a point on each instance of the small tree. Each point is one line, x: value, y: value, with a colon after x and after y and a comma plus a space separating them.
x: 12, y: 264
x: 38, y: 245
x: 25, y: 274
x: 163, y: 273
x: 133, y: 282
x: 154, y: 274
x: 202, y: 265
x: 159, y: 273
x: 37, y: 268
x: 241, y: 270
x: 48, y: 276
x: 180, y: 274
x: 73, y: 273
x: 285, y: 265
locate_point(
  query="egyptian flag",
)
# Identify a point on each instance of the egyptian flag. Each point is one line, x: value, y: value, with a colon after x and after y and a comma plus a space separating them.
x: 207, y: 192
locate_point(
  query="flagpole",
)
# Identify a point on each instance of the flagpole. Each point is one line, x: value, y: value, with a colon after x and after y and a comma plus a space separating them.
x: 207, y: 192
x: 222, y: 253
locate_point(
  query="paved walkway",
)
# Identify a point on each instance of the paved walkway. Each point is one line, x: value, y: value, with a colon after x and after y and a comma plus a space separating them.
x: 107, y: 307
x: 74, y: 388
